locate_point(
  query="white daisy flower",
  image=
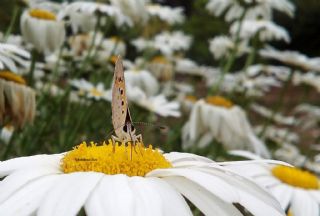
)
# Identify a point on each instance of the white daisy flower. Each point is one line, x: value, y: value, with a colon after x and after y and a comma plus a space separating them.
x: 125, y: 180
x: 221, y: 46
x: 277, y: 135
x: 267, y: 30
x: 142, y: 79
x: 267, y: 113
x: 292, y: 58
x: 143, y: 88
x: 17, y: 101
x: 217, y: 118
x: 166, y: 42
x: 280, y: 72
x: 11, y: 56
x: 166, y: 14
x: 187, y: 66
x: 297, y: 190
x: 135, y: 9
x: 162, y: 68
x: 81, y: 10
x: 6, y: 133
x: 161, y: 106
x: 311, y: 116
x: 233, y: 9
x: 90, y: 90
x: 291, y: 154
x: 42, y: 29
x: 311, y: 78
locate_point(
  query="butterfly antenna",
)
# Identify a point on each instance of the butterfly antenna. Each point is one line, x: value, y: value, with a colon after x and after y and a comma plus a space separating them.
x: 159, y: 126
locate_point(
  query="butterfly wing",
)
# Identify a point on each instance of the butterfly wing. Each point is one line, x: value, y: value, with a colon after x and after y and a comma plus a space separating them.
x: 120, y: 109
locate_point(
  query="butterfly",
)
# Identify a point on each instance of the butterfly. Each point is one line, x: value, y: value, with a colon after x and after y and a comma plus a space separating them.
x: 121, y: 118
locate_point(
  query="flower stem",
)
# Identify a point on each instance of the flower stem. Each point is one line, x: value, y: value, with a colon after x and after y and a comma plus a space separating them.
x: 12, y: 22
x: 252, y: 55
x: 32, y: 67
x: 216, y: 87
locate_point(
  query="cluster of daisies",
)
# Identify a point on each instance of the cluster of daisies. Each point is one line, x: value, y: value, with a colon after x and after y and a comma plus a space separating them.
x: 241, y: 135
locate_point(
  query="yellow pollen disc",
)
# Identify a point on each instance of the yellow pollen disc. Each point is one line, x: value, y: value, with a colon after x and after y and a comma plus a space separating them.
x: 96, y: 92
x: 7, y: 75
x: 115, y: 39
x: 160, y: 60
x: 111, y: 159
x: 113, y: 59
x: 191, y: 98
x: 296, y: 177
x: 42, y: 14
x: 219, y: 101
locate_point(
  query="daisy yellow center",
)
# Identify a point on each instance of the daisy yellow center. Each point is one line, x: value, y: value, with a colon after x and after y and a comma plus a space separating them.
x: 111, y: 159
x: 191, y: 98
x: 7, y: 75
x: 296, y: 177
x: 95, y: 92
x: 219, y: 101
x: 42, y: 14
x: 160, y: 60
x: 113, y: 59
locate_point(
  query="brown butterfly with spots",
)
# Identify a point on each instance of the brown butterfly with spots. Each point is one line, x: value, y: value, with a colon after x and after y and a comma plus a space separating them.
x: 121, y: 119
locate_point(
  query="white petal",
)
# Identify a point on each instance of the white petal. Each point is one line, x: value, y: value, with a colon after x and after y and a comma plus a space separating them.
x: 69, y: 193
x: 27, y: 199
x: 173, y: 202
x: 304, y: 204
x: 283, y: 194
x: 19, y: 179
x: 213, y: 184
x: 177, y: 156
x: 251, y: 195
x: 315, y: 194
x: 7, y: 167
x: 205, y: 201
x: 147, y: 200
x: 112, y: 196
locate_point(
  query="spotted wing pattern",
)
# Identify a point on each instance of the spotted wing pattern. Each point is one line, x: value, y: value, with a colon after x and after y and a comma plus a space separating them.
x: 120, y: 109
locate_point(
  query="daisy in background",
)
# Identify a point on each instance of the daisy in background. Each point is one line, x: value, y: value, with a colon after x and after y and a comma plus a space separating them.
x: 81, y: 10
x: 292, y: 58
x: 266, y: 30
x: 143, y: 90
x: 17, y: 101
x: 91, y: 91
x: 276, y: 117
x: 168, y: 43
x: 297, y: 190
x: 42, y: 29
x: 276, y: 134
x: 311, y: 79
x: 161, y: 67
x: 102, y: 179
x: 12, y: 56
x: 221, y: 46
x: 135, y: 9
x: 218, y: 118
x: 310, y: 116
x: 167, y: 14
x: 234, y: 9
